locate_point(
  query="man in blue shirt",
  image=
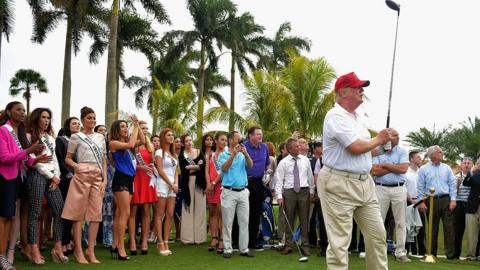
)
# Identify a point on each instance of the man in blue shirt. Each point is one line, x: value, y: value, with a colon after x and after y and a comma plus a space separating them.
x: 234, y: 198
x: 440, y: 176
x: 258, y: 151
x: 389, y: 170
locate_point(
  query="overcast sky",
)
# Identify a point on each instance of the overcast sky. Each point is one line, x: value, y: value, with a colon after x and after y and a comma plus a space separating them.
x: 436, y: 71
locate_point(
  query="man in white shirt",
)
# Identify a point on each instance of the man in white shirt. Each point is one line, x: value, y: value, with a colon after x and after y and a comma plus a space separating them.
x: 411, y: 177
x: 295, y: 189
x: 389, y: 170
x: 345, y: 186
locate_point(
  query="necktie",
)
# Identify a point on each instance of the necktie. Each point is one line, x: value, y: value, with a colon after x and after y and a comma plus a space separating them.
x: 296, y: 176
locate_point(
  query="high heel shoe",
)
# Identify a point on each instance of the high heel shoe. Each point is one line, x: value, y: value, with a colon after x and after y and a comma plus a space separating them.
x: 161, y: 249
x: 168, y: 251
x: 144, y: 251
x: 220, y: 249
x: 58, y: 258
x: 133, y: 252
x: 114, y: 252
x: 38, y: 261
x: 212, y: 246
x: 90, y: 259
x: 123, y: 258
x: 80, y: 261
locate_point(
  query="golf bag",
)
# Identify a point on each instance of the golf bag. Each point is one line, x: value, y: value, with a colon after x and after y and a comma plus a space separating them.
x: 267, y: 222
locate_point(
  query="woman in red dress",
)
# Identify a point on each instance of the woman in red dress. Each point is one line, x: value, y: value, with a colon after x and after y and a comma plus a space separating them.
x: 143, y: 193
x: 213, y: 178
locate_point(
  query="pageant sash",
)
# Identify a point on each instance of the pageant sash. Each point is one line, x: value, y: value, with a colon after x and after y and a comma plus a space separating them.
x: 215, y: 164
x: 142, y: 162
x: 49, y: 144
x: 94, y: 147
x: 14, y: 135
x: 23, y: 170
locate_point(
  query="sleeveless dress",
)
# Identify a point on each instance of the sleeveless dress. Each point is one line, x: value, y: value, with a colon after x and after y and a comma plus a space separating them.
x: 143, y: 192
x: 217, y: 189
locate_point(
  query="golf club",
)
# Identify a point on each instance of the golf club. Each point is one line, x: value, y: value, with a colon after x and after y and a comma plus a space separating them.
x: 303, y: 258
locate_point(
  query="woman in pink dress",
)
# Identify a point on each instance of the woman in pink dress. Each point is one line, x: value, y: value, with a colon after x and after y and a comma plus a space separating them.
x: 143, y: 194
x: 213, y: 178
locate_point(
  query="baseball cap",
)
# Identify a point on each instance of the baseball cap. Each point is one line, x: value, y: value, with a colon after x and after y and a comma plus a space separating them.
x: 350, y: 80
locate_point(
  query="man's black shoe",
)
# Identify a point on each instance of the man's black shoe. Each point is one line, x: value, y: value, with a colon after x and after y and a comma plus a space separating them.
x: 247, y: 254
x: 258, y: 248
x: 227, y: 255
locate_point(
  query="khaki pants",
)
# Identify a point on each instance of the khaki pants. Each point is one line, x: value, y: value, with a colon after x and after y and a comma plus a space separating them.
x: 235, y: 202
x: 297, y: 204
x: 472, y: 222
x: 194, y: 221
x: 397, y: 196
x: 343, y: 198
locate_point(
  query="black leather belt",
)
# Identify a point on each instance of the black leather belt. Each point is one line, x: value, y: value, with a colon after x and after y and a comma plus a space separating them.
x: 441, y: 196
x: 237, y: 189
x: 390, y: 185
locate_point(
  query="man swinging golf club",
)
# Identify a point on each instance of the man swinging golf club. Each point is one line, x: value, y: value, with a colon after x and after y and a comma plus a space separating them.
x: 295, y: 189
x: 344, y: 184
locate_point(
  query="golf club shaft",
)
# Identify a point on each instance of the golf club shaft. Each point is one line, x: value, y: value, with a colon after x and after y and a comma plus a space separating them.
x: 393, y: 69
x: 291, y: 229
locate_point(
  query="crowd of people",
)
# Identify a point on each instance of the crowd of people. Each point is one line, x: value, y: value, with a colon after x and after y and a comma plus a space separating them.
x: 96, y: 183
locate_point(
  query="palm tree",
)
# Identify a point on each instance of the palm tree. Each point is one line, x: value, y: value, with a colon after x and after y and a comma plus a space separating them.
x: 134, y: 33
x: 27, y: 80
x: 111, y: 92
x: 6, y: 20
x: 175, y: 110
x: 185, y: 75
x: 465, y: 140
x: 309, y: 82
x: 280, y: 47
x: 267, y: 103
x: 81, y: 17
x: 210, y: 18
x: 424, y: 138
x: 243, y: 38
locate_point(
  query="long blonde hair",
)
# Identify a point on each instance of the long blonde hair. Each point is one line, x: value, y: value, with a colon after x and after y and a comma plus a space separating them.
x: 148, y: 143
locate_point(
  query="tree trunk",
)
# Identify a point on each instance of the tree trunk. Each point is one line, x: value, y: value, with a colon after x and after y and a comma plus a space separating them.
x: 67, y: 73
x: 201, y: 87
x: 111, y: 98
x: 118, y: 82
x: 231, y: 124
x: 27, y: 98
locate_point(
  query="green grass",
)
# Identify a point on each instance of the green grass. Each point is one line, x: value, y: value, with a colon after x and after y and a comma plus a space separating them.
x: 198, y: 258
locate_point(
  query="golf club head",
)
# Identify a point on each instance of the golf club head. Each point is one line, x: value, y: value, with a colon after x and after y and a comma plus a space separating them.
x: 303, y: 259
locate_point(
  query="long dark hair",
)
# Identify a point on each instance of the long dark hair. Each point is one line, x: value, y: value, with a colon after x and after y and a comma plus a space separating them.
x: 66, y: 126
x: 115, y: 130
x: 22, y: 133
x: 33, y: 124
x: 204, y: 138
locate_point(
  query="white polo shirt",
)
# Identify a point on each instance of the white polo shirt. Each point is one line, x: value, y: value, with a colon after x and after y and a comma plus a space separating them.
x: 341, y: 129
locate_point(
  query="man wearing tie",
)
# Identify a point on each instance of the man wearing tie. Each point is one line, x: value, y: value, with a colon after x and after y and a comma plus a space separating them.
x: 295, y: 189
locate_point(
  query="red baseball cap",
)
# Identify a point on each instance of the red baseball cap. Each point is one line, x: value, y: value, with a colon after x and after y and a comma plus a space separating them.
x: 350, y: 80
